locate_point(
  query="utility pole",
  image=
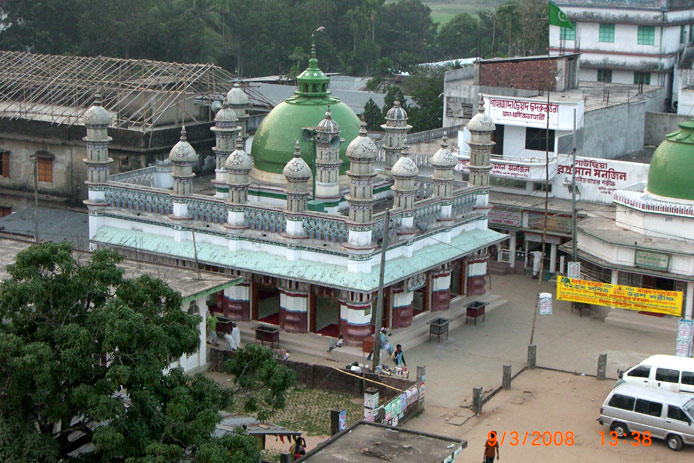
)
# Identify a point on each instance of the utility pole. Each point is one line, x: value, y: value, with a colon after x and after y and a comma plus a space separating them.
x: 574, y: 244
x: 376, y: 355
x: 36, y: 199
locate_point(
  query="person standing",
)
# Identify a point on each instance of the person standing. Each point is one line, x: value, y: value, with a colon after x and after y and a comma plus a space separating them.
x: 233, y: 337
x: 537, y: 260
x: 491, y: 448
x: 398, y: 357
x: 384, y: 343
x: 212, y: 328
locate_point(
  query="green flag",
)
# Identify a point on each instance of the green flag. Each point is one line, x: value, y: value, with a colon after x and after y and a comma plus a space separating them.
x: 558, y: 18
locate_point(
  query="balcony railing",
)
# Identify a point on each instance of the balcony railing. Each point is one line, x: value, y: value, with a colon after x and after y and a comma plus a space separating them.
x: 318, y: 226
x: 144, y: 177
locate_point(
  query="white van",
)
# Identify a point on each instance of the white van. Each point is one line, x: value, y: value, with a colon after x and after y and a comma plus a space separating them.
x: 666, y: 415
x: 675, y: 374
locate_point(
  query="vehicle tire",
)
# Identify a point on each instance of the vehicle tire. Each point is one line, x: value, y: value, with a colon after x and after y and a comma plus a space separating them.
x: 620, y: 428
x: 674, y: 442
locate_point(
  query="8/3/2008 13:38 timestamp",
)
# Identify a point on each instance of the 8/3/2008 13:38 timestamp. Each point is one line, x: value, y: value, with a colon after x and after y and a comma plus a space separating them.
x: 612, y: 439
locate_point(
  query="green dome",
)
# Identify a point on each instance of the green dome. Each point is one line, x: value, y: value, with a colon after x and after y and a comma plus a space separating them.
x: 672, y: 168
x: 273, y: 143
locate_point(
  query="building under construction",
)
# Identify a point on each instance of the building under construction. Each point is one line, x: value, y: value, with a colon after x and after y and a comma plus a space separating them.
x: 43, y: 99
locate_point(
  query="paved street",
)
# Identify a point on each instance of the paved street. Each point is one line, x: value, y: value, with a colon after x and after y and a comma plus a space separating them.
x: 474, y: 355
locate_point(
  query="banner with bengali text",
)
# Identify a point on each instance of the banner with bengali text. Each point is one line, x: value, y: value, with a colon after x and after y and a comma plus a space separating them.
x: 619, y: 296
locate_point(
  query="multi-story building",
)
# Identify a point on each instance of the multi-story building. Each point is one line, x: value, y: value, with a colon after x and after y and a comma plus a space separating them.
x: 626, y: 41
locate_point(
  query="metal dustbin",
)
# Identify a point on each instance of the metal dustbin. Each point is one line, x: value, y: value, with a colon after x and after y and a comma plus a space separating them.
x: 437, y: 327
x: 475, y: 309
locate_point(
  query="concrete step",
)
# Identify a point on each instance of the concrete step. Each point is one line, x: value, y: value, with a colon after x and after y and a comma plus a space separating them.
x: 637, y: 321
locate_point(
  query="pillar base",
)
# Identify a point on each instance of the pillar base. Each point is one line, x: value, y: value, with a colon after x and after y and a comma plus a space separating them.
x: 354, y: 335
x: 441, y: 300
x: 475, y: 285
x: 293, y: 322
x: 402, y: 316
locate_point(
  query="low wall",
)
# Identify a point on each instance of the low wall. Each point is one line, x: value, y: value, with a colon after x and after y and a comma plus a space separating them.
x: 314, y: 376
x: 660, y: 124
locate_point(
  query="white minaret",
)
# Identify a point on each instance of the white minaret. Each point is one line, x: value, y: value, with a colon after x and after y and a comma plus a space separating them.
x: 481, y: 128
x: 362, y: 153
x: 443, y: 162
x: 238, y: 101
x: 226, y: 131
x: 237, y: 167
x: 96, y: 119
x: 182, y: 156
x: 404, y: 173
x: 297, y: 173
x: 328, y: 159
x: 396, y: 129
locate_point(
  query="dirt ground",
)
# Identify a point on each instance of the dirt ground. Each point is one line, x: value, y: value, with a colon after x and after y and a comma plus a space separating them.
x: 543, y: 400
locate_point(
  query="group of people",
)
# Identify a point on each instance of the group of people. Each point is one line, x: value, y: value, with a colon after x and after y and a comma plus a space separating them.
x: 232, y: 337
x: 394, y: 353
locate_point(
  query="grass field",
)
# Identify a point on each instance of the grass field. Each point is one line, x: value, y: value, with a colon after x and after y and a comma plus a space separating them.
x: 443, y: 11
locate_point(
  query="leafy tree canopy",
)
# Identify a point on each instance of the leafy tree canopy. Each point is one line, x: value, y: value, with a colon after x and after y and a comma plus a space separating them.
x: 83, y: 355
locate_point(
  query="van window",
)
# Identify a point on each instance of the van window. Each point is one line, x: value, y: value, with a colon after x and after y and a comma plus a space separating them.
x: 667, y: 375
x: 676, y: 413
x: 622, y: 401
x: 640, y: 372
x: 688, y: 378
x: 649, y: 408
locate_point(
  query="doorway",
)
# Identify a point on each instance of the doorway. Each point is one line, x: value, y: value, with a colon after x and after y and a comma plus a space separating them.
x: 266, y: 301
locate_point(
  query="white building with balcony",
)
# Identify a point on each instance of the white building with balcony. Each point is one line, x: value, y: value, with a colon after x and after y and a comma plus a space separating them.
x: 626, y: 41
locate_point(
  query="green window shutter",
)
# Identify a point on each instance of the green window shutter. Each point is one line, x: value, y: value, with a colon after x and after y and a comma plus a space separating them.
x: 567, y: 33
x: 646, y: 35
x: 642, y: 78
x: 605, y: 75
x: 606, y: 33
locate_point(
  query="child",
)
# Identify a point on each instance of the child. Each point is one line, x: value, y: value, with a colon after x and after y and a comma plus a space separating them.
x: 334, y: 343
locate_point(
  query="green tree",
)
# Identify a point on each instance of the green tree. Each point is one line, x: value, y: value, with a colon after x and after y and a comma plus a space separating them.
x: 83, y: 352
x: 372, y: 115
x: 459, y: 37
x: 426, y: 89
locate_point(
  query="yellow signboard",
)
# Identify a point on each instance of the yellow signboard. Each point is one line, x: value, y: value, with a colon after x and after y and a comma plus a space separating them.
x: 619, y: 296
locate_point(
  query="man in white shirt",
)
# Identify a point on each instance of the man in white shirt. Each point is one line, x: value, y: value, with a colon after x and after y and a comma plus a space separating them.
x: 233, y: 338
x: 537, y: 260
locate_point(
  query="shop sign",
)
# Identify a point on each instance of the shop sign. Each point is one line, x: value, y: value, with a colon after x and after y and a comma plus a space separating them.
x: 528, y: 112
x: 619, y: 296
x: 505, y: 217
x: 654, y: 260
x: 556, y: 223
x: 415, y: 282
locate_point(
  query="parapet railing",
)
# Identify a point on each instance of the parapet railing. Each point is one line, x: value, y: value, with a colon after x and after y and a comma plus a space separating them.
x: 144, y: 176
x: 317, y: 225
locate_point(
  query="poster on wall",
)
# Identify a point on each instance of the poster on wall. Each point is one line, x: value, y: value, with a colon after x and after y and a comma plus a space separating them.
x: 620, y: 296
x: 544, y: 304
x: 573, y: 270
x: 685, y: 338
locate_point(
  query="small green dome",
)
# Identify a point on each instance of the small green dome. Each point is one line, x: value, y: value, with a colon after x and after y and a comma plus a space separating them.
x: 273, y: 143
x: 672, y: 168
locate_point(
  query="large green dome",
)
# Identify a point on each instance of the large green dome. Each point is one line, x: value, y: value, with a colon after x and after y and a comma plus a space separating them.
x: 672, y: 168
x: 273, y: 143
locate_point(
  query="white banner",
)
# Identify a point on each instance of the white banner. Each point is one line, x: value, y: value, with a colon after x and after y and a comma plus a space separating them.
x: 533, y: 112
x: 597, y: 179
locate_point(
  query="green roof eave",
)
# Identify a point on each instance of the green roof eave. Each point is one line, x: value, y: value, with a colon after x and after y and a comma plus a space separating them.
x: 324, y: 274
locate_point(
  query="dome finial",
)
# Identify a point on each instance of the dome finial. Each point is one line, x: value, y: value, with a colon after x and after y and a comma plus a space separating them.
x: 183, y: 133
x: 480, y: 107
x: 297, y: 150
x: 362, y: 129
x: 97, y: 99
x: 444, y: 141
x: 239, y: 143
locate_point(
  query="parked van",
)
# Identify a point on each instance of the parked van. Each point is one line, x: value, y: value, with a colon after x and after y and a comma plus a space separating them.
x: 666, y: 415
x: 667, y: 372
